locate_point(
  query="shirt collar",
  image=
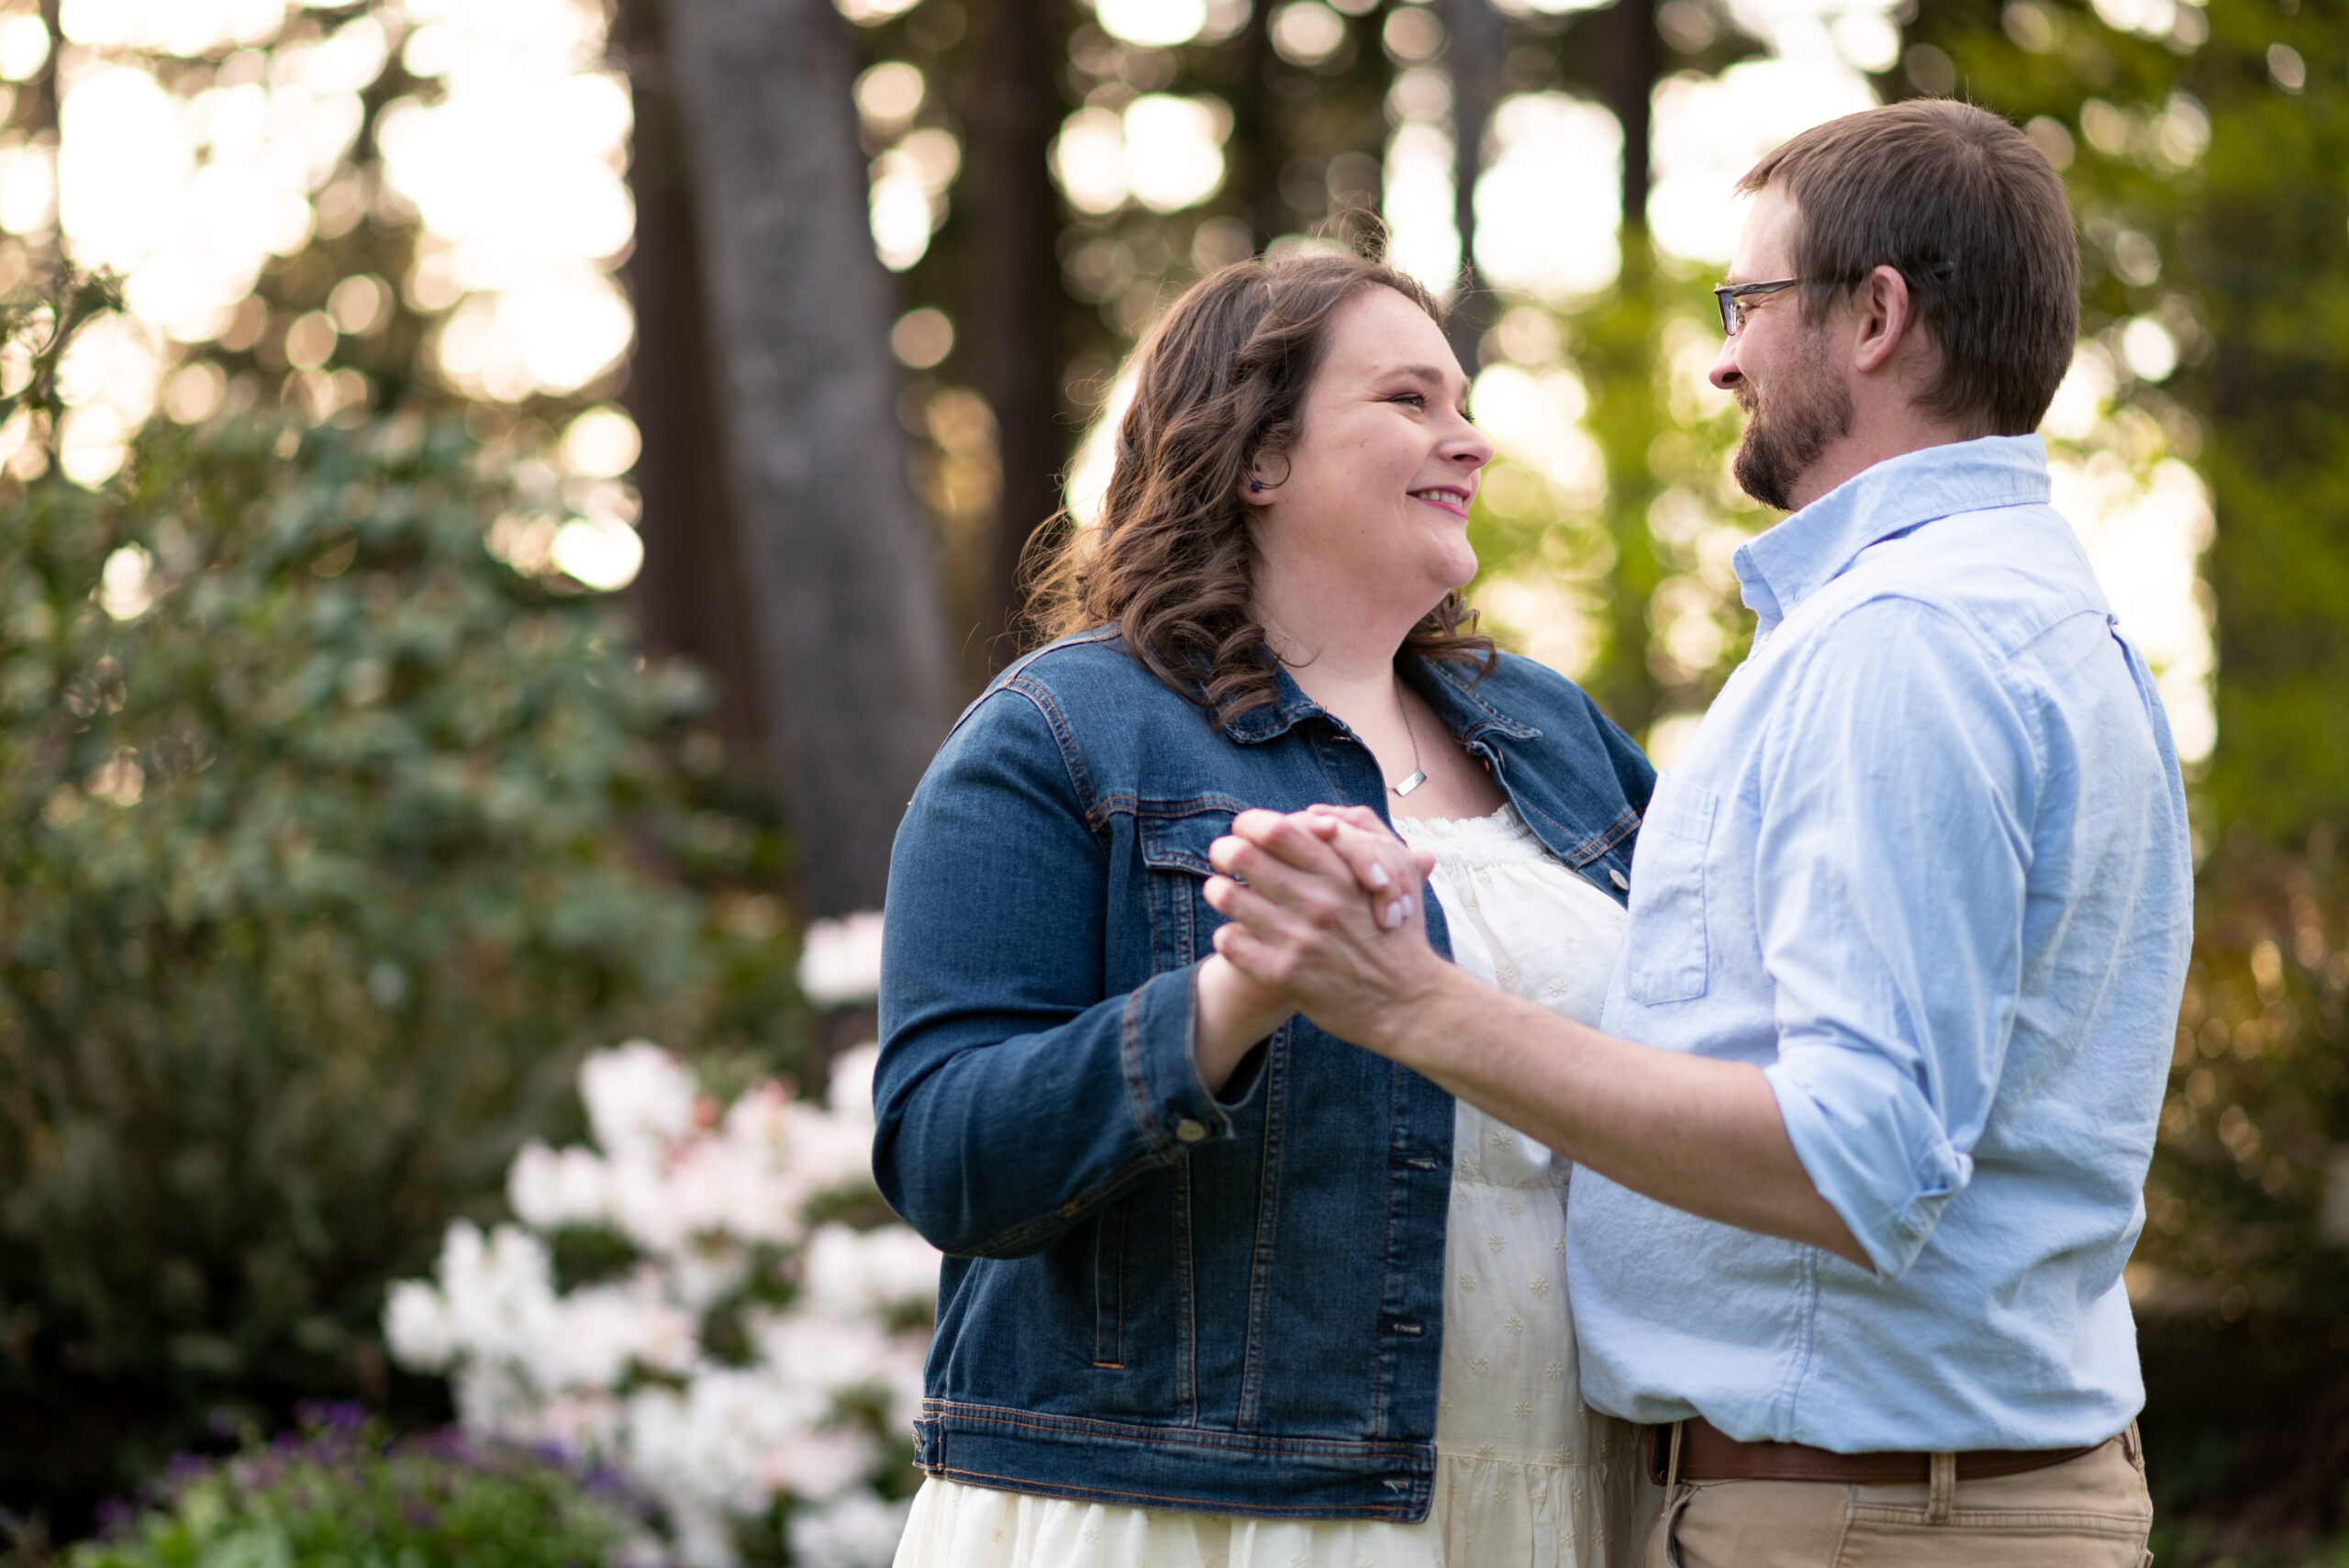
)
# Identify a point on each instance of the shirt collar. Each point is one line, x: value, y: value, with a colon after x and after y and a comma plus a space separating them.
x: 1449, y: 688
x: 1806, y: 551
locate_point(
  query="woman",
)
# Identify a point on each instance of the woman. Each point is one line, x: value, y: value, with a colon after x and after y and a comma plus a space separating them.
x: 1221, y: 1288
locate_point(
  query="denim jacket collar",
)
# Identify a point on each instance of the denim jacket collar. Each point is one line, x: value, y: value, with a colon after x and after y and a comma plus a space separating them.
x: 1785, y: 565
x: 1448, y: 688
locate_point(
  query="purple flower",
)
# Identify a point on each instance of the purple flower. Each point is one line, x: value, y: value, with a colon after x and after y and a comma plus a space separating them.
x: 330, y: 1414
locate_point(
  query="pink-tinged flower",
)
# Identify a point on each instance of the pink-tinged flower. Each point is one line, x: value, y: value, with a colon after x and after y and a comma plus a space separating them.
x: 840, y: 961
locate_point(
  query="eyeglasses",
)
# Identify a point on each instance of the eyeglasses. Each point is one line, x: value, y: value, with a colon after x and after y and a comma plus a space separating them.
x: 1732, y: 297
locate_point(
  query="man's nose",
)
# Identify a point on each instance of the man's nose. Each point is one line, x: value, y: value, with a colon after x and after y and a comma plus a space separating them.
x: 1725, y: 373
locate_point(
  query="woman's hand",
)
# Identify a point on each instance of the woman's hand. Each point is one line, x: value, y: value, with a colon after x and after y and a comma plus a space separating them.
x: 1234, y: 1013
x: 1293, y: 889
x: 1387, y: 869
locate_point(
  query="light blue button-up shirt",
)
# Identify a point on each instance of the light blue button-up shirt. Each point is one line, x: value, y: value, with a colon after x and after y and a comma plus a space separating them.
x: 1925, y: 863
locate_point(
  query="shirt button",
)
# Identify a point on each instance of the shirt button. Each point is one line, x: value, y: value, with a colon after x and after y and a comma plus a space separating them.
x: 1189, y: 1131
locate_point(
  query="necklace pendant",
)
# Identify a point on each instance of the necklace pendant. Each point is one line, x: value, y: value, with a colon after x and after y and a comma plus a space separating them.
x: 1408, y: 786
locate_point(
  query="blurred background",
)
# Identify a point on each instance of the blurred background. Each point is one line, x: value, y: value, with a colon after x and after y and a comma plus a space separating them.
x: 500, y: 498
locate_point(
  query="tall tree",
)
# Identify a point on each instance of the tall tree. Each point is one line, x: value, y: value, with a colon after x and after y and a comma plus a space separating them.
x: 691, y: 597
x: 1476, y: 38
x: 849, y: 637
x: 1016, y: 287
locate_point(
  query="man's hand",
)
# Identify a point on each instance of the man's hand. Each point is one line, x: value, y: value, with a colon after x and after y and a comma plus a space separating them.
x: 1293, y: 887
x: 1701, y: 1135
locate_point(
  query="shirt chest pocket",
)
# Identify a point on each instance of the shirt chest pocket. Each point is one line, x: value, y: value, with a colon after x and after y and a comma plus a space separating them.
x: 1665, y: 948
x: 1174, y: 838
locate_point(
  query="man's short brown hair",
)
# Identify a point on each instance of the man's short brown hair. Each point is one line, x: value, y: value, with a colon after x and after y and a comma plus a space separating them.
x: 1962, y: 206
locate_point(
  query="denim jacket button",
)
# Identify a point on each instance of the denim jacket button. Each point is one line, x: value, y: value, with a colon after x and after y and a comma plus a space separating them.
x: 1189, y: 1131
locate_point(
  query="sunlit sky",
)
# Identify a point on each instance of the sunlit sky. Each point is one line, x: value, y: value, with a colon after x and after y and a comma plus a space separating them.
x: 516, y: 174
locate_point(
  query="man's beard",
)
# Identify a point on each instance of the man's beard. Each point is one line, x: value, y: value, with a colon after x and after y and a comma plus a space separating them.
x: 1784, y: 436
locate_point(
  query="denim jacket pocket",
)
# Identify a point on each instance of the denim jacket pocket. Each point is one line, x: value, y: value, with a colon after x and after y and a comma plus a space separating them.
x: 1666, y: 952
x: 1174, y: 837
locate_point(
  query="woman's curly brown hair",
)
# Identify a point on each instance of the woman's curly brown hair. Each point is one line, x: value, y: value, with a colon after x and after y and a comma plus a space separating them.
x: 1221, y: 387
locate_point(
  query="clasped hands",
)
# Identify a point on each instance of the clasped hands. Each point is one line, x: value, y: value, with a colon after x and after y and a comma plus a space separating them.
x: 1324, y: 907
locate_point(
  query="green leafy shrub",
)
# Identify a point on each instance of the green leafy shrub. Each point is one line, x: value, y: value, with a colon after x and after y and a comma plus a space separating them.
x: 339, y: 1495
x: 328, y: 842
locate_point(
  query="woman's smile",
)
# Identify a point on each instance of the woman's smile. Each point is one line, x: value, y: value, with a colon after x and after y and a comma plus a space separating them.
x: 1446, y: 498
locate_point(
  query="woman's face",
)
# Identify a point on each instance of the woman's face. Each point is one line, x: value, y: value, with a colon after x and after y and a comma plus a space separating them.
x: 1373, y: 499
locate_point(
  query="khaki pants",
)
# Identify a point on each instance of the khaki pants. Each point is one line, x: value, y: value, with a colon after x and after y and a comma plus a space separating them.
x: 2090, y: 1512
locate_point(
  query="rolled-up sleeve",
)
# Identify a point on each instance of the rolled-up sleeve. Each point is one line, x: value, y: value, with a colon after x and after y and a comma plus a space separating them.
x: 1013, y: 1096
x: 1893, y: 847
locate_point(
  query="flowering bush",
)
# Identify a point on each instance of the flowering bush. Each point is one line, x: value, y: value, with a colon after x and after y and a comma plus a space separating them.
x: 710, y: 1298
x: 330, y: 842
x: 338, y: 1493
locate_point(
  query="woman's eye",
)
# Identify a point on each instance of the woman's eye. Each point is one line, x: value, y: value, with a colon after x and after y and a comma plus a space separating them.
x: 1416, y: 399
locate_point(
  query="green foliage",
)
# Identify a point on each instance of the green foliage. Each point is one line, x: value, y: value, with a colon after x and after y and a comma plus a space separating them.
x: 2207, y: 165
x: 2236, y: 248
x: 329, y: 842
x: 340, y: 1495
x: 1639, y: 546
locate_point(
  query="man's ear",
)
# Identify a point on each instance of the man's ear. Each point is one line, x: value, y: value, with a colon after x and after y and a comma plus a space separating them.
x: 1885, y: 319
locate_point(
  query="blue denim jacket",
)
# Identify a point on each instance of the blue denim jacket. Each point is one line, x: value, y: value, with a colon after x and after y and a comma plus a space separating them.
x: 1154, y: 1295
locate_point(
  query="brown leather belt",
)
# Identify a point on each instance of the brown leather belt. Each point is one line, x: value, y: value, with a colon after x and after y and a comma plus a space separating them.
x: 1707, y: 1453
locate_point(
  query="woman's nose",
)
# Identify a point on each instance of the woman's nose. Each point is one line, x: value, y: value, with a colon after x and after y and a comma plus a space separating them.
x: 1471, y: 448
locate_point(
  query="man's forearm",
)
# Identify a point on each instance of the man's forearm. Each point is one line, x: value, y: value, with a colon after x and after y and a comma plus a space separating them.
x: 1699, y: 1135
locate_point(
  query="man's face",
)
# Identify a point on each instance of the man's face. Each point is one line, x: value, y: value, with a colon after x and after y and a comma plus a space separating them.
x: 1779, y: 366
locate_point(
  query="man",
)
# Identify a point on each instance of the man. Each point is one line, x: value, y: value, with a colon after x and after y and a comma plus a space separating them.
x: 1864, y: 1133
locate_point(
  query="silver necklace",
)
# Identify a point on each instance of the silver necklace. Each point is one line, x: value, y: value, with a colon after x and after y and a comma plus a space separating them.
x: 1418, y: 774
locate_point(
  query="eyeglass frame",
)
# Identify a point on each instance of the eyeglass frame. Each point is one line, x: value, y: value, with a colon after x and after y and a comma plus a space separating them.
x: 1732, y: 297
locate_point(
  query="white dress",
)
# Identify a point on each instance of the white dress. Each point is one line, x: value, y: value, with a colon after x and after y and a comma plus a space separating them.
x: 1526, y: 1476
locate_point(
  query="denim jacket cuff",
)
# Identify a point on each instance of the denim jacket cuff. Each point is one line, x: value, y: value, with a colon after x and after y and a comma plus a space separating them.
x: 1173, y: 1109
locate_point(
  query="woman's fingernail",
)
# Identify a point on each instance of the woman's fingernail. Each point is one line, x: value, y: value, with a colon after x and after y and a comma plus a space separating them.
x: 1378, y: 877
x: 1396, y: 915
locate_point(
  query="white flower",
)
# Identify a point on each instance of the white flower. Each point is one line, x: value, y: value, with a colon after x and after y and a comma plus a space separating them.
x: 850, y: 1091
x: 639, y: 1096
x: 548, y: 1189
x: 601, y: 1330
x: 830, y: 1152
x: 416, y: 1328
x: 817, y: 1464
x: 499, y: 1290
x: 840, y: 961
x: 642, y: 1207
x: 853, y: 1276
x: 710, y: 1203
x: 855, y: 1530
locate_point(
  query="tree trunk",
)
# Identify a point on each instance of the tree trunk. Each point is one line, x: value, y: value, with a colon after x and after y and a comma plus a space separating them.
x: 850, y: 632
x: 1474, y: 57
x: 1015, y: 326
x: 1633, y: 53
x: 690, y: 597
